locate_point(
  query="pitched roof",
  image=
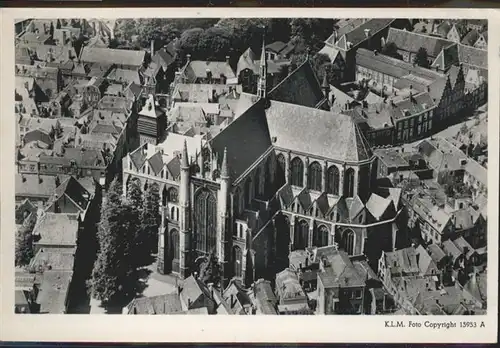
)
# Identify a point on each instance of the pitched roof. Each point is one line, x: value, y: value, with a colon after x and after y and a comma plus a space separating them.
x: 57, y: 229
x: 265, y: 298
x: 288, y: 286
x: 446, y: 58
x: 124, y: 75
x: 246, y: 139
x: 54, y: 291
x: 58, y: 53
x: 443, y: 29
x: 192, y: 290
x: 72, y: 189
x: 32, y: 185
x: 163, y: 304
x: 197, y: 69
x: 473, y: 57
x: 392, y: 66
x: 358, y: 34
x: 436, y: 253
x: 403, y: 261
x: 336, y: 136
x: 412, y: 42
x: 471, y: 38
x: 377, y: 205
x: 301, y: 87
x: 53, y: 259
x: 165, y: 56
x: 112, y: 56
x: 425, y: 261
x: 451, y: 249
x: 341, y: 272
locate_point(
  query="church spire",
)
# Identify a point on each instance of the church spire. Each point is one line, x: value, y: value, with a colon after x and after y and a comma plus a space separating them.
x: 224, y: 173
x: 325, y: 86
x: 184, y: 158
x: 262, y: 84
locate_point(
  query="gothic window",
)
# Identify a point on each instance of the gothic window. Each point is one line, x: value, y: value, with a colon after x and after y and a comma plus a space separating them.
x: 314, y: 177
x: 256, y: 186
x: 164, y: 196
x: 172, y: 195
x: 205, y: 217
x: 297, y: 172
x: 174, y: 244
x: 237, y: 260
x: 349, y: 241
x: 320, y: 237
x: 145, y: 186
x: 349, y: 183
x: 267, y: 175
x: 280, y: 174
x: 301, y: 233
x: 236, y: 201
x: 248, y: 185
x: 172, y: 213
x: 332, y: 180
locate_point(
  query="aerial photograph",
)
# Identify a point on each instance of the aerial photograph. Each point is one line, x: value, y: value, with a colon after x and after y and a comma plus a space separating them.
x: 251, y: 166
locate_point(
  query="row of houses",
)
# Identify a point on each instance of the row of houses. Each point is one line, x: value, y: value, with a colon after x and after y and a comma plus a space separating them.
x: 393, y: 99
x: 63, y: 237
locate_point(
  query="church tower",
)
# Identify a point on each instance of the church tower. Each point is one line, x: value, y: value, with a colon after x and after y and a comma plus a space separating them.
x: 184, y: 203
x: 222, y: 221
x: 262, y: 84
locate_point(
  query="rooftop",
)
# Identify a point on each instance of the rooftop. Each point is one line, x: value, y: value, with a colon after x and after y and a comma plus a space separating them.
x: 163, y: 304
x: 412, y: 42
x: 32, y: 185
x: 57, y: 229
x: 112, y: 56
x: 54, y: 291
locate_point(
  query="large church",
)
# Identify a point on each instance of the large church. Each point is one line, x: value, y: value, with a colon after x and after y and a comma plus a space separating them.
x: 286, y: 174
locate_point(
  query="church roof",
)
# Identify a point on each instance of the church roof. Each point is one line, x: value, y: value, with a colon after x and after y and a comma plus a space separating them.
x: 318, y: 132
x: 301, y: 87
x: 246, y: 139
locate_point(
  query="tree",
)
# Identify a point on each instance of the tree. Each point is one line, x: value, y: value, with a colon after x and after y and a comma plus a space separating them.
x: 24, y: 244
x: 421, y: 58
x: 314, y: 31
x: 114, y: 277
x: 150, y: 219
x: 134, y: 194
x: 390, y: 49
x: 210, y: 271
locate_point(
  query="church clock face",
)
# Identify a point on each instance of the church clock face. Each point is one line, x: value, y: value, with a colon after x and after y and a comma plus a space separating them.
x: 92, y: 95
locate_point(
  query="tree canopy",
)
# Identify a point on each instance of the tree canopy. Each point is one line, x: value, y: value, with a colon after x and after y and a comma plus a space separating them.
x: 421, y: 58
x: 114, y: 277
x: 24, y: 244
x: 390, y: 49
x: 210, y: 271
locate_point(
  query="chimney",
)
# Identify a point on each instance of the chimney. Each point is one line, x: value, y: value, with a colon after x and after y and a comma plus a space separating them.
x: 227, y: 59
x: 209, y: 75
x: 375, y: 52
x: 188, y: 58
x: 152, y: 48
x: 367, y: 33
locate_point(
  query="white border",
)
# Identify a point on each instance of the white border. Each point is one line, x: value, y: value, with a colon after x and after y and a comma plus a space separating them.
x: 106, y: 328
